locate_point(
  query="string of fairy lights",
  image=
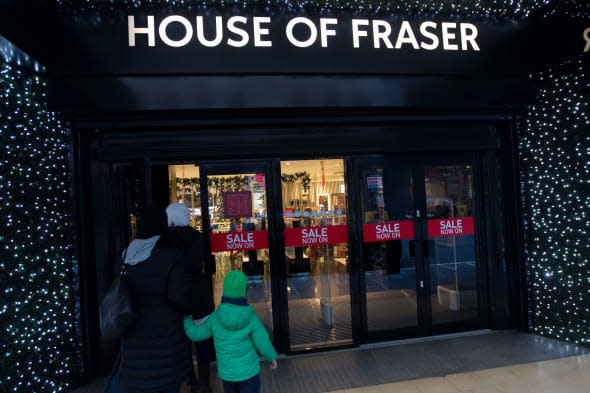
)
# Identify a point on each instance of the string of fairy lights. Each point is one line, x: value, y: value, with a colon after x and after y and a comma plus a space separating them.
x: 465, y: 8
x: 36, y: 319
x: 570, y: 8
x: 555, y: 153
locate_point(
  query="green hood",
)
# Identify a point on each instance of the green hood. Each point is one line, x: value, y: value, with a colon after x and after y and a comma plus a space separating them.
x: 233, y: 317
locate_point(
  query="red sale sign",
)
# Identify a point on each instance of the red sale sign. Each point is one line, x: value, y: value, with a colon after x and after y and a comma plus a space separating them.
x: 239, y: 241
x: 312, y: 236
x: 237, y: 204
x: 451, y: 227
x: 383, y: 231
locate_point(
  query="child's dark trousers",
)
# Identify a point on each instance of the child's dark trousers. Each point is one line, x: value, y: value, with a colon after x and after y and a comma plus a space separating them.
x: 251, y: 385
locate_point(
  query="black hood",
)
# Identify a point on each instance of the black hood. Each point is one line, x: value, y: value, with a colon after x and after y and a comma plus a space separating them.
x: 182, y: 237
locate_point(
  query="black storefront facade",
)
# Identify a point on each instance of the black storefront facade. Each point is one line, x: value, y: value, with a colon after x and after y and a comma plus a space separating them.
x: 362, y: 170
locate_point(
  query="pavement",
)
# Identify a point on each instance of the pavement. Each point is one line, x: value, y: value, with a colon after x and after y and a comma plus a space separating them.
x: 505, y: 361
x: 565, y: 375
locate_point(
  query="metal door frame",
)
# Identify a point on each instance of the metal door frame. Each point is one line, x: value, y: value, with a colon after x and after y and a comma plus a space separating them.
x: 416, y: 164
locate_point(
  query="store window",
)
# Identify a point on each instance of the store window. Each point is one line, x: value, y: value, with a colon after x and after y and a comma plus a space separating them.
x: 451, y: 245
x: 185, y: 188
x: 239, y: 237
x: 237, y: 211
x: 388, y: 237
x: 317, y: 253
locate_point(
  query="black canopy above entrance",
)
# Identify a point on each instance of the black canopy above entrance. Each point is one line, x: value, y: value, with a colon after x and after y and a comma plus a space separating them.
x: 144, y: 93
x: 106, y: 59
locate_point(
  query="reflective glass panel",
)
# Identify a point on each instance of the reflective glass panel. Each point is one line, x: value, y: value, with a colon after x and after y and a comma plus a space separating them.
x: 316, y: 253
x: 451, y: 247
x: 185, y: 188
x: 239, y: 237
x: 388, y: 233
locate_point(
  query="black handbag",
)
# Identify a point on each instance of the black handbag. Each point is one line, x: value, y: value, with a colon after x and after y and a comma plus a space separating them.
x: 116, y: 309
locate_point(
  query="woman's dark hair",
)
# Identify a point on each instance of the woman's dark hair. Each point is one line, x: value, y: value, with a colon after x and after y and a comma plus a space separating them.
x: 151, y: 222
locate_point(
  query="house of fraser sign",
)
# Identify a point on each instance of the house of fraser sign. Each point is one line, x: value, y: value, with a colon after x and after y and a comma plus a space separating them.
x: 240, y: 31
x: 273, y: 41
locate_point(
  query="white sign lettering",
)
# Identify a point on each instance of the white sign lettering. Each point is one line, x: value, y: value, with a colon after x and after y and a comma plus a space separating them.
x: 201, y: 33
x: 381, y: 32
x: 313, y: 32
x: 388, y: 231
x: 587, y: 39
x: 314, y: 235
x: 450, y: 227
x: 239, y: 241
x: 187, y: 27
x: 468, y: 36
x: 406, y: 36
x: 231, y: 26
x: 259, y: 31
x: 429, y: 35
x: 237, y: 31
x: 324, y: 32
x: 149, y: 30
x: 357, y: 32
x: 447, y: 36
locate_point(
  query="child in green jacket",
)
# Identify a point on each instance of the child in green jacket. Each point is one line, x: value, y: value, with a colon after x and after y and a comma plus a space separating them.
x: 237, y: 334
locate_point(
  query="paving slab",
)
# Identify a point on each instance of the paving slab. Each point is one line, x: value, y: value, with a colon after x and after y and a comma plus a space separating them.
x: 497, y: 361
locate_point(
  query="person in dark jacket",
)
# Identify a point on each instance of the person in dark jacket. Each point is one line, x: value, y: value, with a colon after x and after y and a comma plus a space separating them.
x: 188, y: 239
x: 154, y: 354
x: 190, y: 243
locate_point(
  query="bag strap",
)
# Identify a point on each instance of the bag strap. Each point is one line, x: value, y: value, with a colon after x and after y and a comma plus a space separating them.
x: 116, y: 366
x: 123, y: 265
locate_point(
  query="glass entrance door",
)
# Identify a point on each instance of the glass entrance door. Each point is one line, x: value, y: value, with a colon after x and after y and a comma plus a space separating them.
x: 411, y: 259
x: 237, y: 221
x: 389, y: 260
x: 317, y: 256
x: 451, y: 256
x: 419, y: 262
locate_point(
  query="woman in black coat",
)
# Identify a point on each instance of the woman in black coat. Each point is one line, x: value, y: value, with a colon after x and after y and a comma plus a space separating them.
x: 155, y: 357
x: 190, y: 243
